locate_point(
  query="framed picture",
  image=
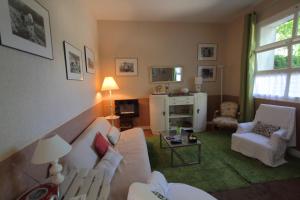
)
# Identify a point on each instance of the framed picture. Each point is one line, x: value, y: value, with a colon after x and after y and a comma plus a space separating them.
x: 73, y: 61
x: 89, y: 60
x: 126, y: 67
x: 207, y: 52
x: 208, y: 73
x: 25, y: 26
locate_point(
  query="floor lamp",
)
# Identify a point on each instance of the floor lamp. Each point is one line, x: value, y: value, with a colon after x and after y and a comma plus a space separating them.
x: 110, y: 84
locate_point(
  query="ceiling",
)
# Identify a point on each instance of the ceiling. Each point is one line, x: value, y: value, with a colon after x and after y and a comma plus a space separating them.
x: 169, y: 10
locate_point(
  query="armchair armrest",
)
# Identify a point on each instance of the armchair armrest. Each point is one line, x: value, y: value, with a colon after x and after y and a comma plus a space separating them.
x: 245, y: 127
x: 279, y: 140
x: 216, y: 113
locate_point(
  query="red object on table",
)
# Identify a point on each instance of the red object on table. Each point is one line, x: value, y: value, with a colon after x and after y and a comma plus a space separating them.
x: 48, y: 191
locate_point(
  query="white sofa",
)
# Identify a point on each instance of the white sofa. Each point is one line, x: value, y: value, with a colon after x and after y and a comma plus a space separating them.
x: 135, y: 166
x: 172, y: 191
x: 269, y: 150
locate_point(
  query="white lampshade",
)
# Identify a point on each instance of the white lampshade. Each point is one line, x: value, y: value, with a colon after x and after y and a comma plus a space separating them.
x: 50, y: 149
x: 198, y: 80
x: 109, y: 84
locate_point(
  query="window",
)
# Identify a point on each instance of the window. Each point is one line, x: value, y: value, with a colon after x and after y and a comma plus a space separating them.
x: 277, y: 72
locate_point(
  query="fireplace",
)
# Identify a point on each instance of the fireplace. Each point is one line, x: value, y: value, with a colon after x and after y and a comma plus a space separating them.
x: 127, y: 110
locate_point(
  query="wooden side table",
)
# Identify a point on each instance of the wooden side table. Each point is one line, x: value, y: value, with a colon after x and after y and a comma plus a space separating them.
x: 112, y: 118
x: 81, y: 182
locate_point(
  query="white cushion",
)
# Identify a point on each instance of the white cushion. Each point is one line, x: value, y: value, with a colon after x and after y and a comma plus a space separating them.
x: 158, y: 183
x: 109, y: 163
x: 113, y: 135
x: 82, y: 155
x: 178, y: 191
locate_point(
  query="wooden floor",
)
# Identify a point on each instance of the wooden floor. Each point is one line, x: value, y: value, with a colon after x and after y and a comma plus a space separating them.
x: 276, y: 190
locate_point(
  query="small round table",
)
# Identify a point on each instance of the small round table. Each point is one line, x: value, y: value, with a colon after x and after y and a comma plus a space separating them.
x: 112, y: 118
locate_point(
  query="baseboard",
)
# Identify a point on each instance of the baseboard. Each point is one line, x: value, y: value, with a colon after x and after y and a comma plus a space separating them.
x: 294, y: 152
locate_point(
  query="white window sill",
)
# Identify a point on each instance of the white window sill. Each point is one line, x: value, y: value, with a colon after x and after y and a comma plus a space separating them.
x: 282, y: 99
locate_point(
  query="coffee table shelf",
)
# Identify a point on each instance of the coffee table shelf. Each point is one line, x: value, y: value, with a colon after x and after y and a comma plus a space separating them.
x: 164, y: 137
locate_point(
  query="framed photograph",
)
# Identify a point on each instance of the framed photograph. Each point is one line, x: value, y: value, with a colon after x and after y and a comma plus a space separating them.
x: 89, y: 60
x: 25, y: 26
x: 207, y: 52
x: 126, y: 67
x: 208, y: 73
x: 73, y: 61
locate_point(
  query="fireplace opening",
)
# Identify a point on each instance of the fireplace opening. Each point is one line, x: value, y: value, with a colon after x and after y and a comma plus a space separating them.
x: 127, y: 110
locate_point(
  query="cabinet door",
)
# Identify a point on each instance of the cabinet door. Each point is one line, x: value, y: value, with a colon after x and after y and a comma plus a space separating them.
x: 158, y: 112
x: 200, y: 112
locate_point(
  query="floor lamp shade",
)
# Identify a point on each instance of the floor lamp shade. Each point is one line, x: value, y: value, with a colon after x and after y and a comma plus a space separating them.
x: 109, y: 84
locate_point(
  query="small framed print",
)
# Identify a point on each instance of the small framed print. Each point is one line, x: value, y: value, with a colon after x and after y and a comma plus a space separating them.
x: 89, y: 60
x: 126, y: 66
x: 73, y: 61
x: 207, y: 52
x: 208, y: 73
x: 25, y: 26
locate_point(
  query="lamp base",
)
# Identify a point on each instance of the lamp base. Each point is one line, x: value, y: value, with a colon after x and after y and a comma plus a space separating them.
x: 55, y: 172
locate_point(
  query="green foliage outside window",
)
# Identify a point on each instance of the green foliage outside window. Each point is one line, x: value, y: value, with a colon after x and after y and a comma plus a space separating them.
x: 284, y: 31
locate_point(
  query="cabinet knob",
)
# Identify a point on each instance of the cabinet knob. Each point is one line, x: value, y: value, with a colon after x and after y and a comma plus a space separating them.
x: 198, y: 110
x: 164, y: 113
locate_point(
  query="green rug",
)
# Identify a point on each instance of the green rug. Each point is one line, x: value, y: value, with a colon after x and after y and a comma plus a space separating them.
x: 220, y: 168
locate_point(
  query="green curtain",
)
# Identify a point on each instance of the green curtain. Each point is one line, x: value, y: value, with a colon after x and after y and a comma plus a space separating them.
x: 248, y: 69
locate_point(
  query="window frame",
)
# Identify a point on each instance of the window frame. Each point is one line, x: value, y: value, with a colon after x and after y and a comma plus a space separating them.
x: 295, y: 39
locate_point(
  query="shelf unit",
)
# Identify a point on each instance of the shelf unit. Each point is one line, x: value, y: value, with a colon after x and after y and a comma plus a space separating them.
x: 187, y: 112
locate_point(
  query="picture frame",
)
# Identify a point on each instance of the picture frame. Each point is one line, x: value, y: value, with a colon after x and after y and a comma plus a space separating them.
x: 25, y: 26
x: 89, y: 60
x: 73, y: 61
x: 208, y: 73
x: 126, y: 66
x: 207, y: 51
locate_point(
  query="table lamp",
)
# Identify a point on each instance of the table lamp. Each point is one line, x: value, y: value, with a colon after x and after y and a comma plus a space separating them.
x: 198, y: 83
x: 109, y: 84
x: 49, y: 150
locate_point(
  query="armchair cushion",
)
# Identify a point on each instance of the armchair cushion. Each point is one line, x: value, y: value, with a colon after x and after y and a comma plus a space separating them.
x: 264, y: 129
x: 225, y: 122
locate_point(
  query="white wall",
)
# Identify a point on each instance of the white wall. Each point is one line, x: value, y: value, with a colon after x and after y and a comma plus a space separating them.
x: 35, y: 95
x: 157, y: 44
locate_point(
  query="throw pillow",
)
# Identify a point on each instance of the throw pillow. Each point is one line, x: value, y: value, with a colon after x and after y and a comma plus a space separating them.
x: 265, y: 129
x: 101, y: 144
x: 113, y: 135
x: 108, y: 165
x: 158, y: 183
x: 159, y: 195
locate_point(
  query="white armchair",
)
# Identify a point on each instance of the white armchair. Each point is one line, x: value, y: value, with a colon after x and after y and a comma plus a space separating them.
x: 269, y: 150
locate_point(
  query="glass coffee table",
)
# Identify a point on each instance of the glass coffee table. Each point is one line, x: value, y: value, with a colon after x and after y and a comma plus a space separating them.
x: 165, y: 136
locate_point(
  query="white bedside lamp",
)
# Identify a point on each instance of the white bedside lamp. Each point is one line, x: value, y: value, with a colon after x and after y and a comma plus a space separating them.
x: 109, y: 84
x: 198, y: 83
x: 49, y: 150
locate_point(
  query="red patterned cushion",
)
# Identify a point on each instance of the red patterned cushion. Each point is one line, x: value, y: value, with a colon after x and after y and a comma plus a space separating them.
x: 101, y: 144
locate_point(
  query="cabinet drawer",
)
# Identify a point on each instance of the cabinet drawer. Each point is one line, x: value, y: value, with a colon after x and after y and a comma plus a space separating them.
x: 185, y: 100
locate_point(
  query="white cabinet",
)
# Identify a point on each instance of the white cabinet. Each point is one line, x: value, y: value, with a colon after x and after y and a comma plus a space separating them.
x: 158, y: 110
x: 188, y: 112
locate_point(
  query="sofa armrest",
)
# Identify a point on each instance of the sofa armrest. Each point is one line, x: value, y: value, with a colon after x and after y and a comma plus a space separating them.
x: 245, y: 127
